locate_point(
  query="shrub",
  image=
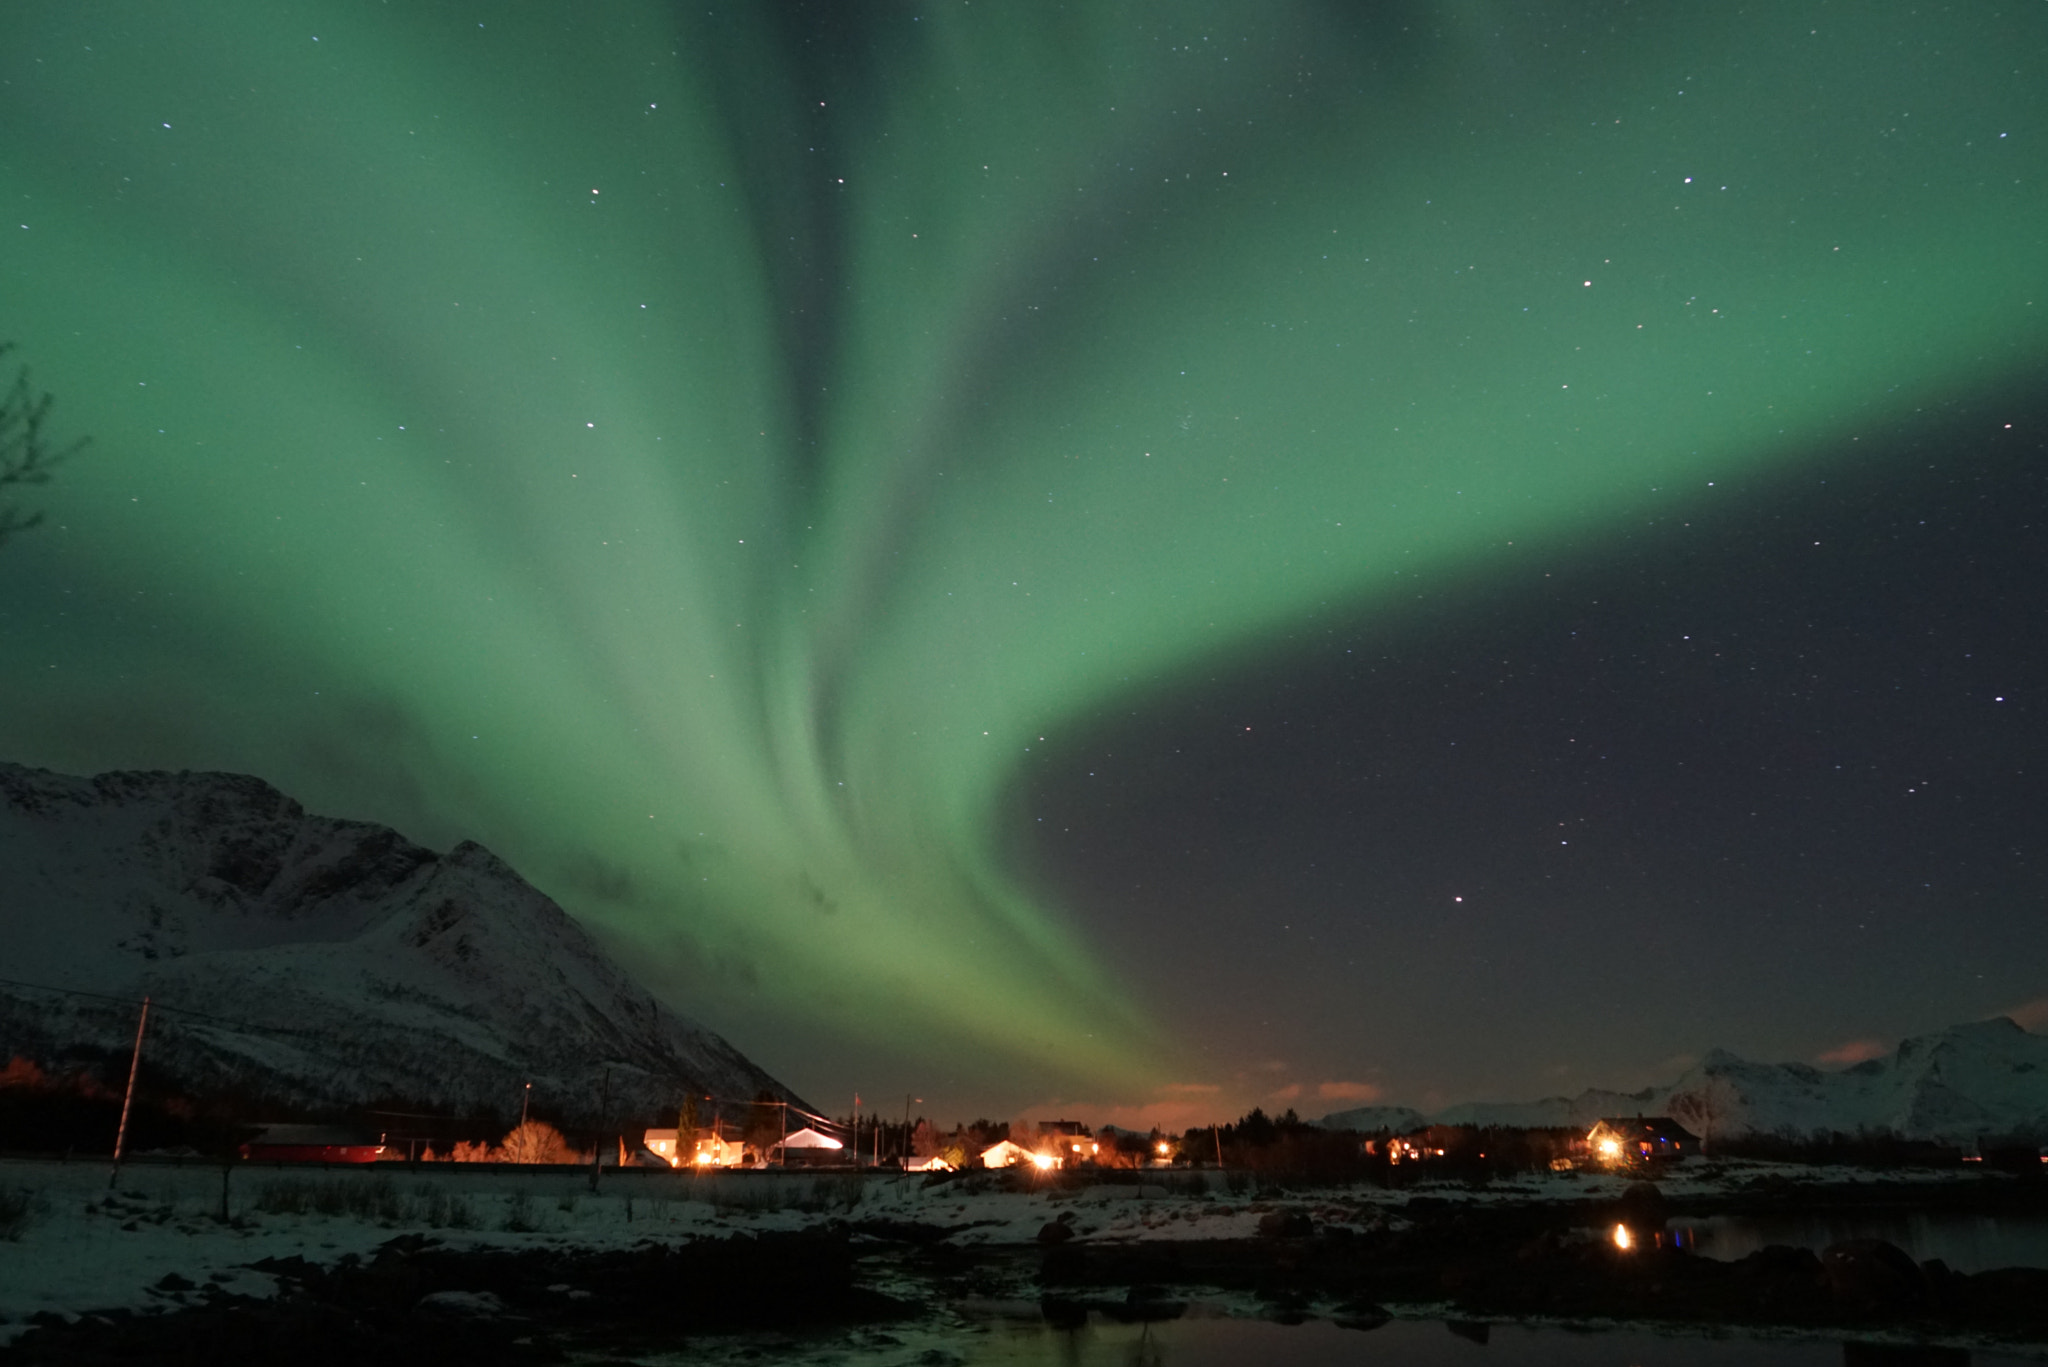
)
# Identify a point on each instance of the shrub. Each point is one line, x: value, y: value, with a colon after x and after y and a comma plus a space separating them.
x: 365, y: 1198
x: 15, y: 1209
x: 519, y: 1218
x: 440, y: 1210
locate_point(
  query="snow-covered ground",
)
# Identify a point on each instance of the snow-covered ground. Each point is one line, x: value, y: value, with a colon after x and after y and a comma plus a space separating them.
x: 82, y: 1247
x: 319, y: 962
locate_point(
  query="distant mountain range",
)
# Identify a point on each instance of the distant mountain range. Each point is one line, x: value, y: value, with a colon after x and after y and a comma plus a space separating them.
x: 317, y: 962
x: 1982, y: 1079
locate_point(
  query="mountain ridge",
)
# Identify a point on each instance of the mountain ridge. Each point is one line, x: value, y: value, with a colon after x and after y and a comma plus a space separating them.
x: 1956, y: 1085
x: 316, y: 961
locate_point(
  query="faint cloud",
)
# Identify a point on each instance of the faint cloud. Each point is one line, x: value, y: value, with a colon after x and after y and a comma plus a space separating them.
x: 1273, y: 1065
x: 1855, y: 1051
x: 1178, y: 1089
x: 1287, y: 1093
x: 1170, y: 1116
x: 1348, y: 1091
x: 2031, y: 1015
x: 586, y: 872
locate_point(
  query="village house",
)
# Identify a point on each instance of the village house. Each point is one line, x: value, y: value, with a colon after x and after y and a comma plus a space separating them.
x: 313, y: 1144
x: 1070, y: 1142
x: 1619, y: 1141
x: 810, y: 1148
x: 1398, y: 1149
x: 707, y: 1149
x: 1008, y: 1154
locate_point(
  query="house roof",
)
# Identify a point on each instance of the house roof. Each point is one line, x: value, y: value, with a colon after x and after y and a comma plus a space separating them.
x: 1646, y: 1127
x: 808, y: 1138
x: 316, y: 1135
x: 1005, y: 1148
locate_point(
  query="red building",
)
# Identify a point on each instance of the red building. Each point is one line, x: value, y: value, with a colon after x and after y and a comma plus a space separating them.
x: 313, y: 1144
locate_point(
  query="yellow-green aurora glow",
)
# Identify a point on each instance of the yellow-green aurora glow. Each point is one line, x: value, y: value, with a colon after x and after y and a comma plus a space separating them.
x: 702, y: 471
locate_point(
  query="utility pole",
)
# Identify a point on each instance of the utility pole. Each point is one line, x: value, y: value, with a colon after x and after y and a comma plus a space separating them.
x: 525, y: 1100
x: 128, y: 1099
x: 604, y: 1115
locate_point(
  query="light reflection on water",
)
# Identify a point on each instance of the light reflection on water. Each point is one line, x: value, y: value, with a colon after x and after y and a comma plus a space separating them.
x: 1403, y: 1343
x: 1206, y: 1339
x: 1967, y: 1243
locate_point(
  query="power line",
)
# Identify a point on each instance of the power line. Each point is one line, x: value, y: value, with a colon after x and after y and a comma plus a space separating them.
x: 287, y: 1030
x: 159, y: 1006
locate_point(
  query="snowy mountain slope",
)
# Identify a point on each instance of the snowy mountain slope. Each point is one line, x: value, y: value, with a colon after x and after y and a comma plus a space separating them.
x: 1955, y: 1085
x: 335, y: 962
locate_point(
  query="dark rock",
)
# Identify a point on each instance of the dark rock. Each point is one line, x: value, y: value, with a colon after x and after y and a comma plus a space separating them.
x: 294, y: 1267
x: 1478, y: 1331
x: 1870, y: 1276
x: 1902, y: 1355
x: 171, y: 1281
x: 1285, y: 1306
x: 1643, y: 1207
x: 1286, y: 1224
x: 1941, y: 1281
x: 1146, y: 1305
x: 459, y: 1303
x: 1360, y: 1315
x: 1055, y: 1232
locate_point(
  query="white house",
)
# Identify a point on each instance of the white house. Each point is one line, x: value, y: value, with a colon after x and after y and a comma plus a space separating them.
x: 707, y: 1150
x: 807, y: 1146
x: 1008, y: 1155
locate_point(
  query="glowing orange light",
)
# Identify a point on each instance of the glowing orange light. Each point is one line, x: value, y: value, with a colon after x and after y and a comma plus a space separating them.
x: 1165, y: 1148
x: 1043, y: 1160
x: 1622, y: 1238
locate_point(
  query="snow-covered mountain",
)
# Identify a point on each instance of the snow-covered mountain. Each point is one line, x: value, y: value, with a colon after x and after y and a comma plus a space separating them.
x: 1955, y: 1085
x: 314, y: 960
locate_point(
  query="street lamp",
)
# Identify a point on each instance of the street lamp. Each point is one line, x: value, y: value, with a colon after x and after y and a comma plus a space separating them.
x: 908, y: 1099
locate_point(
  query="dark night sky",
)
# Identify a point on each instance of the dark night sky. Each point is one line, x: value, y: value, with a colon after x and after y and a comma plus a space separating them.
x: 1764, y: 774
x: 1133, y: 560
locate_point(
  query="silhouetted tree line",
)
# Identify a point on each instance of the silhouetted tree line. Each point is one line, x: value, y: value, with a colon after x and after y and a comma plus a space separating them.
x: 1288, y: 1146
x: 1859, y: 1150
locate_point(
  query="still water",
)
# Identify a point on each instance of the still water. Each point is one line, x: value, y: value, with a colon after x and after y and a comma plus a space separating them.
x: 1967, y: 1243
x: 1207, y: 1339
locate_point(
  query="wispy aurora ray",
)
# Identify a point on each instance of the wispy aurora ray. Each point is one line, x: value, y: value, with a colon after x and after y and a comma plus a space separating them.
x: 701, y: 469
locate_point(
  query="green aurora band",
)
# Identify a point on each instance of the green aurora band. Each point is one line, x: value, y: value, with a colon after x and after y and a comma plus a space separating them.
x: 704, y: 475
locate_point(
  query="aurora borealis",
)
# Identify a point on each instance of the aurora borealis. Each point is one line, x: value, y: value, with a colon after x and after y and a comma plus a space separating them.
x: 737, y: 465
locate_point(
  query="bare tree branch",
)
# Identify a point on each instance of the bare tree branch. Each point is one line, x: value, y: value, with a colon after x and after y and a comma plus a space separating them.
x: 26, y: 456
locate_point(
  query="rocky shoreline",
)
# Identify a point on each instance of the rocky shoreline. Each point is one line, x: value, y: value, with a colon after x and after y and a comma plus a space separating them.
x: 416, y: 1300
